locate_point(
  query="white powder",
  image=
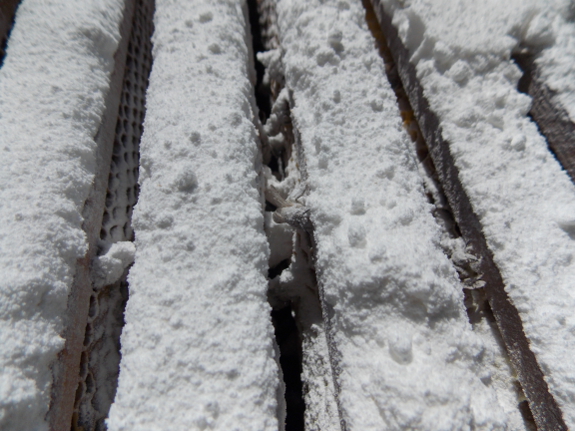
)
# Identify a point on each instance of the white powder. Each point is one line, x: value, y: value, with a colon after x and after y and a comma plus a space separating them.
x: 524, y: 201
x: 409, y: 358
x: 558, y: 55
x: 108, y: 268
x: 52, y: 89
x: 197, y: 349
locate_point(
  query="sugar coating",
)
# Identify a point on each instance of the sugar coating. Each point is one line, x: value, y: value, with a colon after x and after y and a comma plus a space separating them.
x: 555, y: 61
x: 524, y: 201
x: 52, y: 89
x: 109, y: 267
x: 197, y: 349
x: 408, y: 356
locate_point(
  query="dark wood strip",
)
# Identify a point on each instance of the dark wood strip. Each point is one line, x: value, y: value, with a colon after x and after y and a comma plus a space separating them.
x: 548, y: 113
x: 7, y: 13
x: 545, y: 411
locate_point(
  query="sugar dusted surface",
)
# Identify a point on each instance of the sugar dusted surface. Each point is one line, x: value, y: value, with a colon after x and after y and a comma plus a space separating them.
x: 556, y: 55
x: 53, y: 84
x: 197, y: 349
x: 409, y: 358
x: 524, y: 201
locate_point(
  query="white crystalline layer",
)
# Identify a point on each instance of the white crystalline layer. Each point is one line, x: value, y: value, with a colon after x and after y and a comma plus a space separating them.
x: 108, y: 268
x: 197, y: 350
x: 52, y: 89
x: 524, y: 201
x: 408, y: 356
x: 556, y: 60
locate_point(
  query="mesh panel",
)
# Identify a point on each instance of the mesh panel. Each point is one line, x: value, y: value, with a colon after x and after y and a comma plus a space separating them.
x: 101, y: 356
x: 123, y: 181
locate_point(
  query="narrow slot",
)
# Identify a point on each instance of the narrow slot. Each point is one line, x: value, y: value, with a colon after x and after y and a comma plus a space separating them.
x: 289, y: 343
x: 263, y: 95
x: 287, y: 334
x: 7, y: 16
x: 543, y: 407
x: 300, y: 332
x: 551, y: 119
x: 293, y: 291
x: 293, y: 282
x: 100, y: 361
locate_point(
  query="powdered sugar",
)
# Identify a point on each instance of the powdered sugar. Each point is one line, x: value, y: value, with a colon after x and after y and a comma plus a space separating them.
x: 109, y: 267
x: 52, y: 89
x: 398, y: 324
x: 555, y: 59
x: 516, y: 187
x: 197, y: 347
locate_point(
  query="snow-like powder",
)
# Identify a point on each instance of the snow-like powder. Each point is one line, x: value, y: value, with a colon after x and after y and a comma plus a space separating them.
x: 524, y: 201
x: 53, y: 85
x: 197, y: 348
x: 407, y: 355
x: 555, y: 21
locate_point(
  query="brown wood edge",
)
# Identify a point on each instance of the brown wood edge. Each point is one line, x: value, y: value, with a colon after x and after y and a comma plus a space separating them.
x: 328, y: 314
x: 66, y: 369
x: 545, y: 410
x: 327, y: 311
x: 548, y: 113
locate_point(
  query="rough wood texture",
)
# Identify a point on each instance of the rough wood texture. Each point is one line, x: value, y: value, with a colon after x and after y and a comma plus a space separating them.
x: 546, y: 413
x: 553, y: 121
